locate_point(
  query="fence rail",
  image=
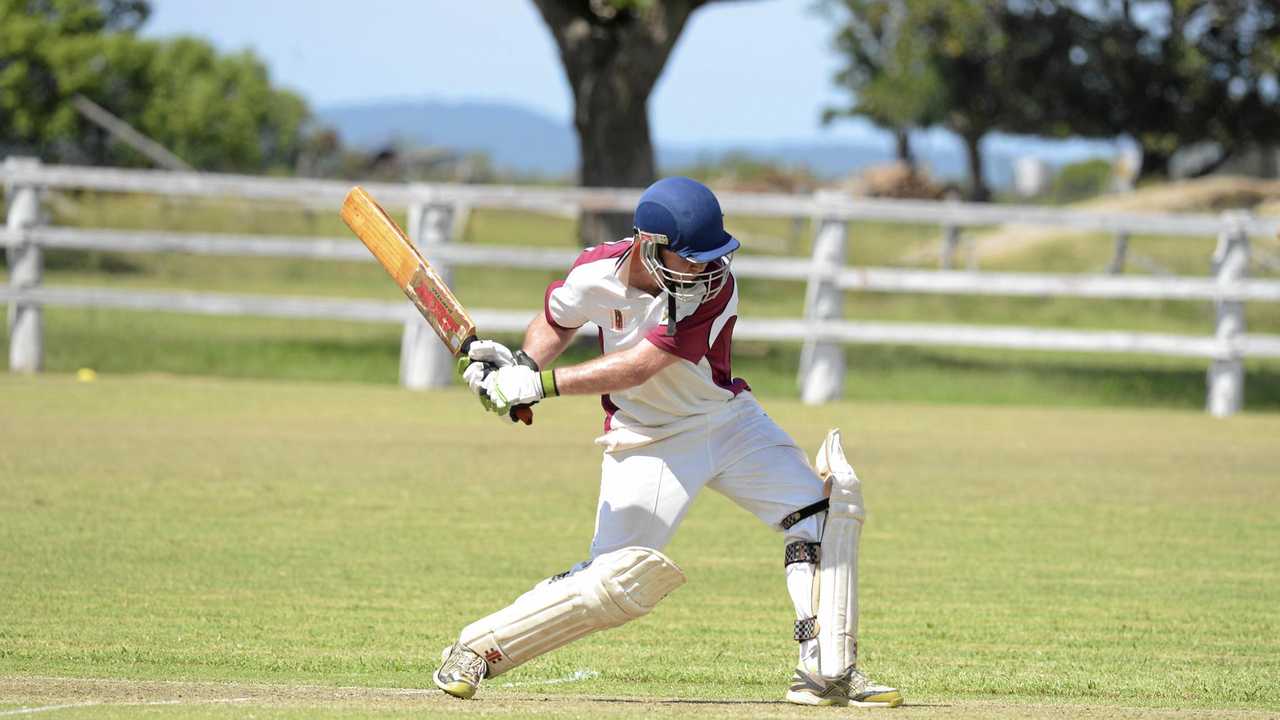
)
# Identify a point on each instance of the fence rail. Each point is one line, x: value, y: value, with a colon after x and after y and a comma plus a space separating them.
x: 327, y: 194
x: 506, y: 321
x: 822, y: 330
x: 866, y: 279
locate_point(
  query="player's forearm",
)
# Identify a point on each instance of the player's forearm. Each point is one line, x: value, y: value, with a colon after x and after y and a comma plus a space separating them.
x: 544, y: 342
x: 612, y: 372
x: 605, y: 374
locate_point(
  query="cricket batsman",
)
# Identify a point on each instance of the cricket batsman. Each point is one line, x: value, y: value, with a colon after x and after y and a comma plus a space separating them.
x: 676, y: 421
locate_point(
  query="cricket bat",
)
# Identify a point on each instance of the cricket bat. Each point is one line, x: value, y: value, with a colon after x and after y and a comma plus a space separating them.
x: 414, y: 275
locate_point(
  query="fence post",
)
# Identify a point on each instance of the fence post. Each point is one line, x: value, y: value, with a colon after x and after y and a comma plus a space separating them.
x: 424, y: 361
x: 1225, y: 395
x: 1118, y: 255
x: 822, y: 362
x: 950, y: 243
x: 26, y: 265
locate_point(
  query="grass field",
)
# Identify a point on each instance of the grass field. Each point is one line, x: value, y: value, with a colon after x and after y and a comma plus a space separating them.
x: 177, y: 547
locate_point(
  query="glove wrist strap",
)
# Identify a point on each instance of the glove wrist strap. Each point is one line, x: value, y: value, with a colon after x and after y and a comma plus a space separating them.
x: 522, y: 358
x: 549, y: 388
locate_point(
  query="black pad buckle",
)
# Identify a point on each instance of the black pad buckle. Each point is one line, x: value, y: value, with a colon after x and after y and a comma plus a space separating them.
x: 806, y: 629
x: 803, y: 513
x: 802, y: 552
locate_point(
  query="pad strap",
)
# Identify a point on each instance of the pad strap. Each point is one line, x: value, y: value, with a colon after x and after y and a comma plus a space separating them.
x: 804, y: 512
x: 802, y: 552
x: 806, y: 629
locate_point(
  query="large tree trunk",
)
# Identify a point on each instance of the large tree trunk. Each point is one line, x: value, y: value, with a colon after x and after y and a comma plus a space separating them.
x: 612, y: 59
x: 1155, y: 163
x: 978, y: 190
x: 902, y: 141
x: 614, y: 147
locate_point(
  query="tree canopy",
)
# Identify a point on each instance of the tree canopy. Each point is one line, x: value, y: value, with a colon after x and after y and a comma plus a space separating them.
x: 217, y: 112
x: 969, y: 66
x: 1174, y: 72
x: 1168, y: 73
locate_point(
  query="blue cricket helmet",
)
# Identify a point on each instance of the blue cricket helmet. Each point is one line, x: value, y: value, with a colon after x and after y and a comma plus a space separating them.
x: 687, y: 213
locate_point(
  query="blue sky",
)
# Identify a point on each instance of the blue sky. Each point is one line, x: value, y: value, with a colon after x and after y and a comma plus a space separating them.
x: 742, y: 71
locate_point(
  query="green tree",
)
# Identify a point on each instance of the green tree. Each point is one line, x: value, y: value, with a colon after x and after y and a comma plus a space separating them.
x: 1174, y: 72
x: 1166, y: 72
x: 217, y: 112
x: 888, y: 73
x: 46, y: 49
x: 970, y: 66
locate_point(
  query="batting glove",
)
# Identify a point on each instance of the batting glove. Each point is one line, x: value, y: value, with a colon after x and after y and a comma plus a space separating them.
x: 518, y: 385
x: 483, y: 356
x: 491, y: 351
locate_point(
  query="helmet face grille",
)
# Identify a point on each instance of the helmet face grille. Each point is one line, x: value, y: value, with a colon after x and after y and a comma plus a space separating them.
x: 685, y: 287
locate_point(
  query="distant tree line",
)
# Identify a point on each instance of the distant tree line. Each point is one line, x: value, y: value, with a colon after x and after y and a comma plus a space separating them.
x: 1167, y: 73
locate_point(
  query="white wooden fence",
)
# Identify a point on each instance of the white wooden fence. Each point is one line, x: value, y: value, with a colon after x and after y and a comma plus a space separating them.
x: 432, y: 209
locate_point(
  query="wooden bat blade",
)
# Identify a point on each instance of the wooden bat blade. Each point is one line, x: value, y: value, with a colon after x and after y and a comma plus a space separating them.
x: 384, y: 238
x: 414, y: 275
x: 406, y: 266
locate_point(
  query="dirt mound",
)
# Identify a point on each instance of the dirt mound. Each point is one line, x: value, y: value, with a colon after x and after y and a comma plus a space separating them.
x: 896, y: 180
x: 1211, y: 194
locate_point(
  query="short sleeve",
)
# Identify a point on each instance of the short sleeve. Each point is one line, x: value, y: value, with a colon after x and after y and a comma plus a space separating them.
x: 562, y: 305
x: 693, y: 338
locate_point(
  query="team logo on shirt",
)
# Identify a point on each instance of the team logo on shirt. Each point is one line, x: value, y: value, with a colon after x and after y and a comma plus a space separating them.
x: 617, y: 319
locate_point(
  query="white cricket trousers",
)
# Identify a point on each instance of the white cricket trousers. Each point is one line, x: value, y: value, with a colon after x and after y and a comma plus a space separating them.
x: 738, y: 451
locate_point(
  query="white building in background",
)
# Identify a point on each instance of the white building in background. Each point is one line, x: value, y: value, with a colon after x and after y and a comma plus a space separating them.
x: 1125, y: 167
x: 1031, y: 176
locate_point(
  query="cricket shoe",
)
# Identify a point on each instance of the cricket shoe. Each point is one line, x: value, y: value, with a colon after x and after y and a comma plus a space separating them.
x: 460, y: 671
x: 851, y: 688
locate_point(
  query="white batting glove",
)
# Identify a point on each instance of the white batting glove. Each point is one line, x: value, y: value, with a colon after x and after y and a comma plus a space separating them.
x: 517, y: 385
x: 484, y: 356
x: 491, y: 351
x: 473, y: 376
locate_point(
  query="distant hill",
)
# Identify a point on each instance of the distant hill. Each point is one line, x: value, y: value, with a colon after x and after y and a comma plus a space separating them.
x: 514, y: 137
x: 525, y: 141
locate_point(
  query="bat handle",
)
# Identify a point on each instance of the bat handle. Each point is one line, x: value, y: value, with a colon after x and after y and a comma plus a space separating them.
x: 523, y: 413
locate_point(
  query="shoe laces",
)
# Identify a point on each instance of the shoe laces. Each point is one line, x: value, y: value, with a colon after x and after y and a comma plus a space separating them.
x: 858, y: 680
x: 467, y: 664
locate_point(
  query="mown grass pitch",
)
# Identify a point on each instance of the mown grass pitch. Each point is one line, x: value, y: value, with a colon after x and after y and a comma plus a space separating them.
x: 215, y: 548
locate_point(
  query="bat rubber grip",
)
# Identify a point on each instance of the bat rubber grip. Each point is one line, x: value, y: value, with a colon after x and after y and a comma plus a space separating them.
x: 523, y: 413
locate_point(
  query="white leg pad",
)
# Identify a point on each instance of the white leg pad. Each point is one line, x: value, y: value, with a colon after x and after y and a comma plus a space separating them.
x: 837, y: 594
x: 615, y: 588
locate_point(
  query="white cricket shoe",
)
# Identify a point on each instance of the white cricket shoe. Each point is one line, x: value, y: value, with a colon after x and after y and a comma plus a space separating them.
x: 851, y: 688
x: 460, y: 671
